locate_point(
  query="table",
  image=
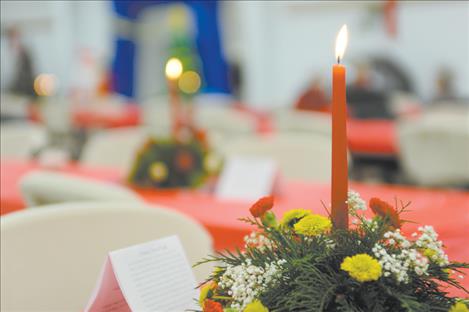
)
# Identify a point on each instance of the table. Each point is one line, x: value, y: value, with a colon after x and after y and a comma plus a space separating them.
x: 104, y: 116
x: 446, y: 210
x: 370, y: 137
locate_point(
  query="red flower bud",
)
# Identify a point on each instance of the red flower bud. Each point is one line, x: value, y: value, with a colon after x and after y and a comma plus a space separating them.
x: 212, y: 306
x: 385, y: 210
x: 262, y: 206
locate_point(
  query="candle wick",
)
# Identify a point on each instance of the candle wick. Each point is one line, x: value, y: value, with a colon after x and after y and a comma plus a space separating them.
x: 338, y: 59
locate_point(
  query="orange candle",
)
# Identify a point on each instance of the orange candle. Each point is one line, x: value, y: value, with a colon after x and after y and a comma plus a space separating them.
x: 173, y: 72
x: 339, y: 207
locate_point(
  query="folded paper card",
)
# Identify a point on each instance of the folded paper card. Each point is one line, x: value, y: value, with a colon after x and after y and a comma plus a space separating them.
x: 247, y: 178
x: 153, y: 276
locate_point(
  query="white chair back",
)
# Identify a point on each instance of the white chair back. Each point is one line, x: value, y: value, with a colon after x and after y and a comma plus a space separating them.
x: 51, y: 257
x: 434, y: 149
x: 13, y: 105
x: 157, y: 115
x: 114, y: 147
x: 224, y: 120
x: 56, y: 114
x: 301, y: 121
x: 19, y: 140
x: 298, y: 155
x: 45, y: 188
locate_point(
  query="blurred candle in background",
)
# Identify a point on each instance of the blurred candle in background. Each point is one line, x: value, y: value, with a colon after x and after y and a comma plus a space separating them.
x: 173, y: 71
x: 339, y: 185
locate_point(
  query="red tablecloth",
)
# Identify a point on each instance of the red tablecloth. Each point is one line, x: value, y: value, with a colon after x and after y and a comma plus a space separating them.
x: 124, y: 116
x: 11, y: 172
x: 372, y: 137
x: 375, y: 137
x: 105, y: 116
x: 446, y: 210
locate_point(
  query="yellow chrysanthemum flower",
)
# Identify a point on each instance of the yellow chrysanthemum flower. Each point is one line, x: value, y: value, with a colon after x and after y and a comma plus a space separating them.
x: 255, y: 306
x: 312, y: 225
x: 206, y: 292
x: 291, y: 217
x: 362, y: 267
x: 158, y: 171
x: 459, y: 307
x: 429, y: 253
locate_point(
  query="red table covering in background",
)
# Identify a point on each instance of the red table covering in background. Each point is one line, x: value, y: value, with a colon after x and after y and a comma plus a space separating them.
x: 376, y: 137
x: 127, y: 115
x: 372, y: 137
x: 105, y: 116
x: 446, y: 210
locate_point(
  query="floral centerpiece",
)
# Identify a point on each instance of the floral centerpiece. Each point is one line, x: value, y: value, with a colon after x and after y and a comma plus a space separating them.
x: 301, y: 262
x: 177, y: 161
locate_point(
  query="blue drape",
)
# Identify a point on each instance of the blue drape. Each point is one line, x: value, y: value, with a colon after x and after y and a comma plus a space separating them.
x: 214, y: 67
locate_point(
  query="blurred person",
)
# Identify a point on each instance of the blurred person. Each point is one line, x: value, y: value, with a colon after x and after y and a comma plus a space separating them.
x: 314, y: 98
x: 23, y: 73
x: 445, y: 85
x: 364, y: 98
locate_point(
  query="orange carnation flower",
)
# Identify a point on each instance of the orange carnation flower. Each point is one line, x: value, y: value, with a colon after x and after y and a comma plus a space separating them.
x: 212, y: 306
x: 262, y: 206
x: 201, y: 136
x: 385, y: 210
x: 184, y: 161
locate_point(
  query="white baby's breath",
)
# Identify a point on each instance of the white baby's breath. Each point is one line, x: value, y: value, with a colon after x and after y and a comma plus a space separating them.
x: 257, y: 240
x: 245, y: 282
x: 355, y: 202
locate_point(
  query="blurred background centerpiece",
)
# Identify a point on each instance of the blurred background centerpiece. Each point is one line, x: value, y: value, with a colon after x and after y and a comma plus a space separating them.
x: 78, y: 73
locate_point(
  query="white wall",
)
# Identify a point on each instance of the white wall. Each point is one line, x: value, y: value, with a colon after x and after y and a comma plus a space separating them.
x: 283, y: 44
x: 54, y: 32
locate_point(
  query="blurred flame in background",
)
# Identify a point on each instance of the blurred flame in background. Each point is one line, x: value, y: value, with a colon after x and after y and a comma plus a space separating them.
x: 189, y: 82
x: 45, y: 84
x: 173, y: 68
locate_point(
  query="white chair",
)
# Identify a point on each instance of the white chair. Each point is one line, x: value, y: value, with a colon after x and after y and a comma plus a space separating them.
x: 19, y: 140
x: 301, y: 121
x: 224, y: 120
x: 211, y: 113
x: 14, y: 106
x: 51, y: 257
x: 45, y: 187
x: 157, y: 115
x: 56, y: 114
x: 298, y: 155
x: 434, y: 149
x: 114, y: 147
x: 208, y: 115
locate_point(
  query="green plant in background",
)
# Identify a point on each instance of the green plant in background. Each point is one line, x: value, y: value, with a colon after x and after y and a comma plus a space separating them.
x: 182, y: 46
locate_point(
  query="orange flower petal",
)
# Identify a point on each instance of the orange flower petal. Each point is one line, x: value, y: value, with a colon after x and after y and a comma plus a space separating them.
x: 262, y: 206
x: 212, y: 306
x: 385, y: 210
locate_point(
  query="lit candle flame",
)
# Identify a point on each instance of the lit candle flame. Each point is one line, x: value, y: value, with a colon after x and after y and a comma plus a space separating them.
x: 173, y: 68
x: 341, y: 43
